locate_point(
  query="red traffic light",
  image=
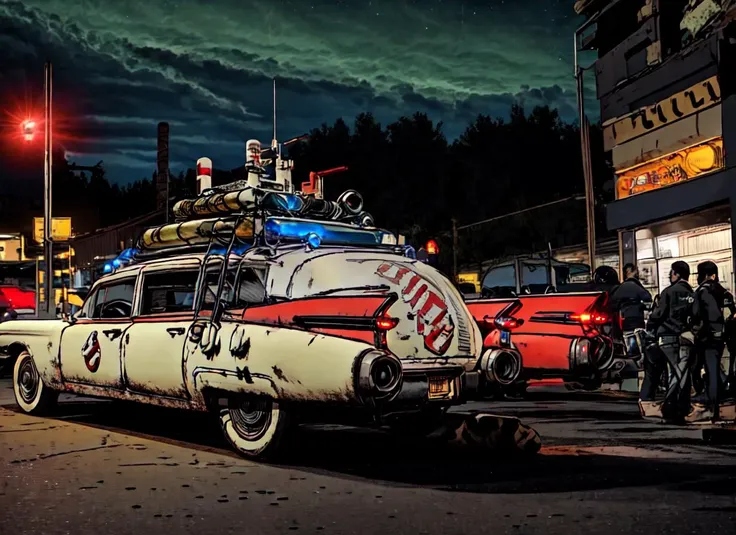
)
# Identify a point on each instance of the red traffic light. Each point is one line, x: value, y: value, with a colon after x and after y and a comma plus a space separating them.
x: 432, y: 247
x: 28, y: 129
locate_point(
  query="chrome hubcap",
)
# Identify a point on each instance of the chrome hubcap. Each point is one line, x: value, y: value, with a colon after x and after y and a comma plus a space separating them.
x: 28, y: 382
x: 251, y: 418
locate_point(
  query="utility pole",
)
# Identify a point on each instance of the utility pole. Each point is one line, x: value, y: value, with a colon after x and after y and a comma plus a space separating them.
x: 587, y: 166
x: 48, y: 249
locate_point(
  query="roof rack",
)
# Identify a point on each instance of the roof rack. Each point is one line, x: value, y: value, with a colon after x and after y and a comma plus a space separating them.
x: 262, y: 211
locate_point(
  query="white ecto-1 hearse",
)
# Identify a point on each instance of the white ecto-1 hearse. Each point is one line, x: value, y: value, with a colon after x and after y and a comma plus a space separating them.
x: 264, y: 337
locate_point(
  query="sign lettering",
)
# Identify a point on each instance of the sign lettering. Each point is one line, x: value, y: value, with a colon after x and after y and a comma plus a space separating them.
x: 699, y: 97
x: 433, y: 321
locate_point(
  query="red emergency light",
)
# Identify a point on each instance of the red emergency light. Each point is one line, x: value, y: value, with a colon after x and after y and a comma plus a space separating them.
x: 203, y: 169
x: 432, y: 247
x: 28, y: 129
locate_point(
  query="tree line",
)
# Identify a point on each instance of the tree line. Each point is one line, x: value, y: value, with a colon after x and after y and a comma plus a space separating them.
x: 413, y: 180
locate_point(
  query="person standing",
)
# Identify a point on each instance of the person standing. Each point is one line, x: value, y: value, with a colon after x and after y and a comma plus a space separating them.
x: 710, y: 300
x: 669, y: 321
x: 629, y: 301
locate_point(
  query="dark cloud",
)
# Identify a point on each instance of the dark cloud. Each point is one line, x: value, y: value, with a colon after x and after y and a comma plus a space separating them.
x: 207, y: 68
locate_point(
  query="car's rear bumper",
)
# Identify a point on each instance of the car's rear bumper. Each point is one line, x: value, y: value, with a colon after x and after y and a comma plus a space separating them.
x: 442, y: 386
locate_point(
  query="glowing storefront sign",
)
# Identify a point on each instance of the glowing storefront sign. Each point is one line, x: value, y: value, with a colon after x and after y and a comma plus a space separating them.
x: 674, y: 168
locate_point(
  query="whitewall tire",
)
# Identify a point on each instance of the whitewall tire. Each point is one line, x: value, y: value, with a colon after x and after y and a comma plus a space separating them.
x: 256, y: 428
x: 31, y: 394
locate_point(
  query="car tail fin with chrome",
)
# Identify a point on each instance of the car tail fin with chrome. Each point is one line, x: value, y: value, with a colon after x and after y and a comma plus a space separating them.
x: 360, y: 317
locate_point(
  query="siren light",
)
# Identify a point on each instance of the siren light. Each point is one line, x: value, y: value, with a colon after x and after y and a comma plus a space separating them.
x: 317, y: 234
x: 432, y: 247
x: 204, y: 174
x: 253, y: 152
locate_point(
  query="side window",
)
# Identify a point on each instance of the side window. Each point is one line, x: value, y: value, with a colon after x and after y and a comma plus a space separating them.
x: 500, y: 281
x: 111, y: 301
x: 251, y: 289
x: 535, y: 277
x: 168, y: 291
x: 209, y: 291
x: 91, y: 302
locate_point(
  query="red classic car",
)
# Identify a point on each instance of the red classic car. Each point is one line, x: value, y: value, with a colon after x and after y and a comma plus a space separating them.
x: 21, y: 300
x: 559, y: 335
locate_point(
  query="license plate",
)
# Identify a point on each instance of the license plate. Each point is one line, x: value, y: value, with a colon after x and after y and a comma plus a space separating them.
x: 439, y: 387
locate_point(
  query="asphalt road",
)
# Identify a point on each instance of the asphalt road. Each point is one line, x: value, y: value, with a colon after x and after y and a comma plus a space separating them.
x: 99, y: 467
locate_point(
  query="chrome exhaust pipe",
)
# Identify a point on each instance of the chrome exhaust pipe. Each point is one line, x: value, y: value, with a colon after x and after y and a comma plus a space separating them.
x: 501, y: 366
x: 379, y: 375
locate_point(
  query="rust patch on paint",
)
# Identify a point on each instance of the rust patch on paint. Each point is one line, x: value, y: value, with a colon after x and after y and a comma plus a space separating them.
x: 242, y: 351
x: 148, y: 389
x: 341, y: 395
x: 278, y: 372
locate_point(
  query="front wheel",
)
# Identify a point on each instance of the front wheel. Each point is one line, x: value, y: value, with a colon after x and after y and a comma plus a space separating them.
x: 256, y: 428
x: 31, y: 394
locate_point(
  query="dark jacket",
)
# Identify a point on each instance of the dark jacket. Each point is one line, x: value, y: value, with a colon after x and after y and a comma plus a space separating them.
x: 674, y: 311
x: 629, y: 302
x: 711, y: 299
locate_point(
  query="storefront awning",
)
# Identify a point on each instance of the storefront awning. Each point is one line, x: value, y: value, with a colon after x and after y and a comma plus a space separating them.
x: 645, y: 208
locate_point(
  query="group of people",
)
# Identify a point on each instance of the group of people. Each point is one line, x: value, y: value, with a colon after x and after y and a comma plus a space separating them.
x: 686, y: 333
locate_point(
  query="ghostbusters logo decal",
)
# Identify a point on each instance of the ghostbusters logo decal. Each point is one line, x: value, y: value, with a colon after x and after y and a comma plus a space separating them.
x: 91, y: 352
x: 434, y: 322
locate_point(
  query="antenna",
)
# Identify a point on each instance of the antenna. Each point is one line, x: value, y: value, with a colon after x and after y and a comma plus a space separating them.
x: 274, y: 143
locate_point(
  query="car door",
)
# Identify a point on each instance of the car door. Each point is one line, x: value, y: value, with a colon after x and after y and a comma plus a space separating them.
x: 91, y: 346
x: 154, y: 344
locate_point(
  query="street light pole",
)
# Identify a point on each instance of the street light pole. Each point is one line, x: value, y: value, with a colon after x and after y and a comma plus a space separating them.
x: 48, y: 250
x: 585, y: 149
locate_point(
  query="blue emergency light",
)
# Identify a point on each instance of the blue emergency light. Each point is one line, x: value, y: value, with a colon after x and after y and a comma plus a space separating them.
x: 283, y: 201
x: 279, y: 230
x: 237, y: 250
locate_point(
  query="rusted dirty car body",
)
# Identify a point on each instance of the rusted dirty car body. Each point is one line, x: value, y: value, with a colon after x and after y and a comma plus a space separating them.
x: 568, y: 336
x: 282, y: 306
x: 317, y: 324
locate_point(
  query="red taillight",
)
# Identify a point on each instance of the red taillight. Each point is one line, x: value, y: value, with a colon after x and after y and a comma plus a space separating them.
x: 386, y: 323
x: 591, y: 318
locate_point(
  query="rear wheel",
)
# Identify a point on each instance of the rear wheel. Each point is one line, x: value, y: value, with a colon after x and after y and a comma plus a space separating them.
x: 31, y: 394
x: 255, y: 427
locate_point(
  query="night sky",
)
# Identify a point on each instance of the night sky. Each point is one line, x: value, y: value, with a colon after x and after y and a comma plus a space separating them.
x: 206, y: 67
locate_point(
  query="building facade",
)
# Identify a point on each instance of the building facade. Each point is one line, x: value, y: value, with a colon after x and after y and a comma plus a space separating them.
x: 664, y: 82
